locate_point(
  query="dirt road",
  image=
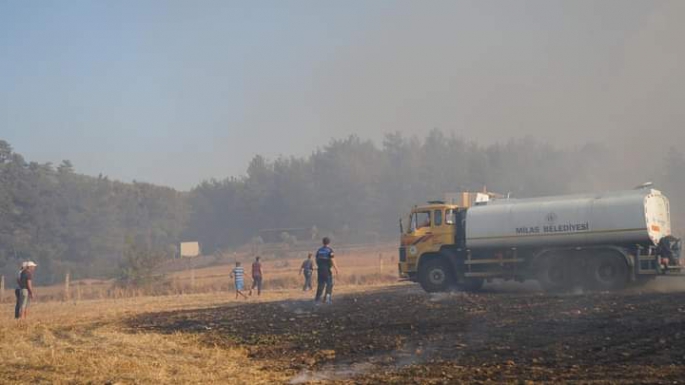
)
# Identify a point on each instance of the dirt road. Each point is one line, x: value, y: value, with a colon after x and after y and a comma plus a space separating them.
x: 405, y: 336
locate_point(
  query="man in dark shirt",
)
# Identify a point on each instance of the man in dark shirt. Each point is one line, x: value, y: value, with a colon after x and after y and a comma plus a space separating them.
x: 26, y: 288
x: 307, y: 268
x: 325, y: 260
x: 17, y: 292
x: 256, y: 276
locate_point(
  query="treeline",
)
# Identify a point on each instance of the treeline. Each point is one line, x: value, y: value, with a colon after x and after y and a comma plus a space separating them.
x: 356, y: 190
x: 71, y: 222
x: 352, y: 189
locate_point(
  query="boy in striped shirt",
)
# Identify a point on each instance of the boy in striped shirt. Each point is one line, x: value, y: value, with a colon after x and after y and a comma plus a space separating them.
x: 238, y: 274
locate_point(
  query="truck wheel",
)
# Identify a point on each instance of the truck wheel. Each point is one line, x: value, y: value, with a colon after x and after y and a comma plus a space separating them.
x: 473, y: 284
x: 434, y: 276
x: 608, y: 271
x: 553, y: 275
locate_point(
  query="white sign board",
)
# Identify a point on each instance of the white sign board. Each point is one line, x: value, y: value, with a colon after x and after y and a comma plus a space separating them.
x: 190, y: 249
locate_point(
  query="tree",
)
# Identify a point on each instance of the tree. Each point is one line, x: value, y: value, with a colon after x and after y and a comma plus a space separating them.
x: 65, y: 167
x: 5, y: 151
x: 139, y: 266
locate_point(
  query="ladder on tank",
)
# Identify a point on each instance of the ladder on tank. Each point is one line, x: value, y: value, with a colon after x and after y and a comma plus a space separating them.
x: 647, y: 263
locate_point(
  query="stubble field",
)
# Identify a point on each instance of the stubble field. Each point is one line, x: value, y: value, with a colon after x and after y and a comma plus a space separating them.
x: 381, y: 333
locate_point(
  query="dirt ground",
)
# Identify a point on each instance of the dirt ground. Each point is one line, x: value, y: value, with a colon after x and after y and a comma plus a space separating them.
x: 401, y: 335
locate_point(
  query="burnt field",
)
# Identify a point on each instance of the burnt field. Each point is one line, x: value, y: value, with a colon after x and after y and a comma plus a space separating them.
x: 402, y: 335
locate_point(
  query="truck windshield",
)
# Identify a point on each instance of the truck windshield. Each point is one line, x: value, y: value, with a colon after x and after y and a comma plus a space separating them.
x: 420, y: 220
x: 437, y: 217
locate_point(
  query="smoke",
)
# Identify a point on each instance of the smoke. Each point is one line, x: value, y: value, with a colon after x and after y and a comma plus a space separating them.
x: 407, y: 355
x: 503, y: 286
x: 562, y: 72
x: 494, y: 286
x: 670, y: 284
x: 332, y: 373
x: 297, y: 307
x: 446, y: 296
x: 660, y: 284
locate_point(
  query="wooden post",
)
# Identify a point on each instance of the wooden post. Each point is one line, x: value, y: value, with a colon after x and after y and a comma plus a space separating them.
x: 174, y: 285
x: 2, y: 288
x: 192, y: 274
x: 66, y: 287
x: 78, y: 293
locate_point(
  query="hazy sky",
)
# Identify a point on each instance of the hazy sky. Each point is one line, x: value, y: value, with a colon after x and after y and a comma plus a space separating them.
x: 173, y: 92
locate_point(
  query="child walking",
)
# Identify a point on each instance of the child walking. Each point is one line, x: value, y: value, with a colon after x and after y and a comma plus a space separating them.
x: 238, y: 274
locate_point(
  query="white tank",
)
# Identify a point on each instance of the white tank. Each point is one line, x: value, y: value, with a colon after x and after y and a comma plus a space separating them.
x: 633, y: 216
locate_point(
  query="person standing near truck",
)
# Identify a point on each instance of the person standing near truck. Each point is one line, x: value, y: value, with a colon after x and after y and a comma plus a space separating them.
x: 325, y: 260
x: 308, y: 269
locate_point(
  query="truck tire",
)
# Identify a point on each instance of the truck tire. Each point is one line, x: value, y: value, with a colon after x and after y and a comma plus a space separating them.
x: 434, y: 276
x: 553, y: 275
x: 608, y: 271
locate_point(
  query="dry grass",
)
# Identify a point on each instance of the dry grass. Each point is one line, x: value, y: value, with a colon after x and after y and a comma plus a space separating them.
x: 358, y: 267
x: 86, y: 341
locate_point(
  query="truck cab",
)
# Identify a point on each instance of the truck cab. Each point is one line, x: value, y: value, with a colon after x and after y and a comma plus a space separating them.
x: 428, y: 229
x: 434, y: 241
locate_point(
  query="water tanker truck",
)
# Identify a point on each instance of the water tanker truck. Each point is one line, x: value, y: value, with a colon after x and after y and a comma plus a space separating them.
x: 601, y: 241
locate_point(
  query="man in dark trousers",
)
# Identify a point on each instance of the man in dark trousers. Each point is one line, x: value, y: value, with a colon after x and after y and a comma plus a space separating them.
x: 17, y: 292
x: 325, y: 260
x: 308, y: 269
x: 26, y: 288
x: 256, y: 276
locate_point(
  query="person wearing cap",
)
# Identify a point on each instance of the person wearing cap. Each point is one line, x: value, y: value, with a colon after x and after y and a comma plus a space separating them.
x: 17, y: 292
x: 26, y: 288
